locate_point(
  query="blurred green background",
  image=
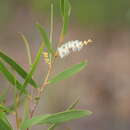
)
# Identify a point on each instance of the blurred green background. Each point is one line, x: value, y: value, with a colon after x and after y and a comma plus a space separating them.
x: 104, y: 86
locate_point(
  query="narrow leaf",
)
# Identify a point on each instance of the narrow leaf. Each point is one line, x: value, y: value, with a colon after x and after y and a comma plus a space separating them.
x: 62, y: 2
x: 55, y: 118
x: 65, y: 11
x: 65, y: 7
x: 4, y: 123
x: 4, y: 109
x: 34, y: 121
x: 28, y: 48
x: 52, y: 127
x: 72, y: 106
x: 17, y: 68
x: 45, y: 39
x: 65, y: 25
x: 33, y: 68
x: 68, y: 73
x: 65, y: 116
x: 8, y: 75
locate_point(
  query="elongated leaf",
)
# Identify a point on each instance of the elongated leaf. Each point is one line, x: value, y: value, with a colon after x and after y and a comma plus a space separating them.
x: 62, y: 2
x: 4, y: 123
x: 4, y: 109
x: 65, y: 25
x: 68, y: 73
x: 28, y: 48
x: 65, y: 7
x: 55, y: 118
x: 52, y: 127
x: 65, y: 11
x: 72, y: 106
x: 65, y: 116
x: 8, y: 75
x: 33, y: 68
x: 34, y: 121
x: 17, y: 68
x: 45, y: 38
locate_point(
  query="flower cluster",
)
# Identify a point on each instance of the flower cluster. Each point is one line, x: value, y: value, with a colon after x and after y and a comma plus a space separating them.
x: 73, y: 46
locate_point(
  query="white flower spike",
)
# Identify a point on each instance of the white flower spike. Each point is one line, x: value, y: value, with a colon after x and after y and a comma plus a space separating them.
x: 76, y: 45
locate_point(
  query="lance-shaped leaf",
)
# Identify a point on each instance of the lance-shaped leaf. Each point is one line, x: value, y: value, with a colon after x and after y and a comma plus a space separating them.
x: 45, y: 38
x: 34, y: 121
x: 28, y: 48
x: 9, y: 76
x: 65, y: 7
x: 4, y: 109
x: 33, y: 68
x: 16, y: 67
x: 55, y: 118
x: 72, y: 106
x: 4, y: 123
x: 68, y: 73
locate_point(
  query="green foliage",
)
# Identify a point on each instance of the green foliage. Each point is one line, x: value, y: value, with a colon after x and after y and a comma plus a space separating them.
x: 68, y: 73
x: 91, y: 12
x: 33, y: 68
x: 34, y: 121
x: 4, y: 123
x: 9, y: 76
x: 4, y: 109
x: 45, y: 39
x: 28, y: 119
x: 28, y: 48
x: 55, y: 118
x: 72, y: 106
x: 16, y: 67
x: 65, y: 12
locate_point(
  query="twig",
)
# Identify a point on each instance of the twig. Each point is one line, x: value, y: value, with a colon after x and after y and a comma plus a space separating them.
x: 16, y: 110
x: 50, y: 66
x: 40, y: 91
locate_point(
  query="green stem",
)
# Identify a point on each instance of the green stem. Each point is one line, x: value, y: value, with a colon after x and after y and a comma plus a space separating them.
x: 52, y: 22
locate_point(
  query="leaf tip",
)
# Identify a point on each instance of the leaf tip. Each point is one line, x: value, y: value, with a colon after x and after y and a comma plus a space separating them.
x: 88, y: 113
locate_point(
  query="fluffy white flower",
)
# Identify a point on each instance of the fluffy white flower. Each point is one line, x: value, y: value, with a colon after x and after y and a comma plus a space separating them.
x: 76, y: 45
x: 63, y: 52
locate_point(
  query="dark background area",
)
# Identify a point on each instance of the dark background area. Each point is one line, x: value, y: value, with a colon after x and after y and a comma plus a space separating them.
x: 104, y: 86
